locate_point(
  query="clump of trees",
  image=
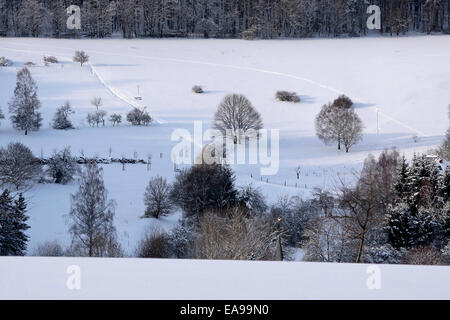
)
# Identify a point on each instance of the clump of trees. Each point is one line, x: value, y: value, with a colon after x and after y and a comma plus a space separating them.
x: 61, y: 119
x: 92, y: 216
x: 287, y: 96
x: 25, y: 104
x: 81, y: 57
x: 236, y: 118
x: 13, y: 225
x: 338, y: 122
x: 139, y: 117
x: 98, y: 116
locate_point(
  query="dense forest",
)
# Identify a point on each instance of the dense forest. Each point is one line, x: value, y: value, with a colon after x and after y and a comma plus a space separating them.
x: 264, y: 19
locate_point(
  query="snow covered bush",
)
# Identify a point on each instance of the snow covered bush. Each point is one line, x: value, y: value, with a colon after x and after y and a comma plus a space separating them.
x: 115, y: 119
x: 61, y: 119
x: 62, y: 166
x: 197, y: 89
x: 81, y: 57
x: 49, y: 60
x: 19, y: 168
x: 29, y: 64
x: 156, y: 244
x: 5, y: 62
x: 138, y: 117
x: 252, y: 200
x: 181, y: 240
x: 157, y: 198
x: 287, y: 96
x: 237, y: 117
x: 2, y: 116
x: 25, y: 103
x: 343, y: 102
x: 384, y: 254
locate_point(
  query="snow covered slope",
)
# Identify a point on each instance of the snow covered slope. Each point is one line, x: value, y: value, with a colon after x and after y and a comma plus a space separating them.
x: 59, y: 278
x: 401, y: 87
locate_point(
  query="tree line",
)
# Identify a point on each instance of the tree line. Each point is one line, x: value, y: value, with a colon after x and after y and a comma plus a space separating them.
x: 264, y: 19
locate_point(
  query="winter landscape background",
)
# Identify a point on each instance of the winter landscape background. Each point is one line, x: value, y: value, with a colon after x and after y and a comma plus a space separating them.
x: 382, y: 96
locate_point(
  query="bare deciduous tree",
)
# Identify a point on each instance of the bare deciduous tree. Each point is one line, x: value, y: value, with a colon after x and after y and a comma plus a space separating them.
x: 19, y: 168
x: 80, y: 57
x: 92, y: 216
x: 157, y: 198
x: 236, y: 117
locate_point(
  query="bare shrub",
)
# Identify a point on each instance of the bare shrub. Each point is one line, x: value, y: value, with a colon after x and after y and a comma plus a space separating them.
x: 235, y: 236
x: 197, y: 89
x: 156, y: 244
x: 50, y: 59
x: 157, y: 198
x: 343, y: 102
x: 423, y: 256
x: 287, y: 96
x: 49, y: 249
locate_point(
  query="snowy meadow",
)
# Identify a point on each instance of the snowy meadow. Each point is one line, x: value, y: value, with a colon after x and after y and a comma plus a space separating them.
x: 399, y: 87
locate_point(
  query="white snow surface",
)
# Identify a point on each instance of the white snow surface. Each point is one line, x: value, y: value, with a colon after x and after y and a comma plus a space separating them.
x: 404, y: 82
x: 58, y: 278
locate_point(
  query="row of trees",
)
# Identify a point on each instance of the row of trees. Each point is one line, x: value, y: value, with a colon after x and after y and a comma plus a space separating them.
x: 25, y: 104
x: 220, y: 18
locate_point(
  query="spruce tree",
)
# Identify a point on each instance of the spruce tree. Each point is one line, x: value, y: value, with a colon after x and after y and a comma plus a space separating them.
x: 13, y: 240
x: 25, y: 103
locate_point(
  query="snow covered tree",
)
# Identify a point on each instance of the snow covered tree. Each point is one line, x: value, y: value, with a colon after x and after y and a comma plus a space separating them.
x: 115, y: 119
x: 339, y: 123
x: 19, y: 168
x: 444, y: 149
x: 98, y: 116
x: 235, y: 116
x: 352, y: 132
x: 138, y: 117
x: 2, y: 116
x: 61, y: 119
x: 81, y: 57
x: 13, y: 218
x: 62, y: 166
x: 25, y: 103
x: 92, y: 216
x: 32, y: 18
x: 252, y: 199
x: 157, y: 198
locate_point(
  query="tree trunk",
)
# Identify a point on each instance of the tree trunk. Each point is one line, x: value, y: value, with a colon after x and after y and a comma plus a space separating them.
x: 360, y: 248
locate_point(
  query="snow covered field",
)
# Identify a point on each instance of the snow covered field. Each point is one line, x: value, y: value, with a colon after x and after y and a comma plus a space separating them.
x: 404, y: 82
x: 78, y: 278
